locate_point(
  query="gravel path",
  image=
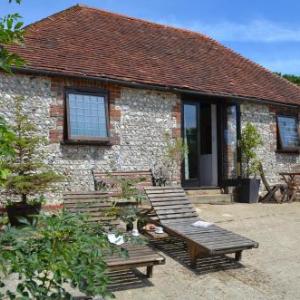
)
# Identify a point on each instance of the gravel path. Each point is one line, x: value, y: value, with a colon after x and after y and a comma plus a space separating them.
x: 270, y: 272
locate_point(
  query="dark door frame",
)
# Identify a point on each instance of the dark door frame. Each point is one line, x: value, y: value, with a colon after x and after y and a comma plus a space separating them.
x: 220, y: 106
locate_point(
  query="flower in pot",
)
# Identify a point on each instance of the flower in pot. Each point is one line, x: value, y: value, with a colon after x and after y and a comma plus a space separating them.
x: 249, y: 184
x: 128, y: 215
x: 26, y: 173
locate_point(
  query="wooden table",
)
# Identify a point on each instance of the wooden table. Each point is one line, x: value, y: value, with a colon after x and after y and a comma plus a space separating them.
x: 292, y: 179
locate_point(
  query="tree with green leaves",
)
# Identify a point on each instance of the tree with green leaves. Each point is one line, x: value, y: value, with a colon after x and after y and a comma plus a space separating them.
x: 292, y: 78
x: 6, y: 149
x: 28, y: 173
x: 11, y: 32
x: 250, y: 141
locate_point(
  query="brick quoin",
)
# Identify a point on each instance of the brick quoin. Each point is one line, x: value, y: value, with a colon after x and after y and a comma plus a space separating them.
x: 176, y: 113
x: 55, y: 135
x: 58, y: 86
x: 56, y: 110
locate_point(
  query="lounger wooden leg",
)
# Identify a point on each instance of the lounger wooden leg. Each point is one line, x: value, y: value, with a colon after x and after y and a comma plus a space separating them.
x: 194, y: 253
x: 149, y: 271
x: 238, y: 255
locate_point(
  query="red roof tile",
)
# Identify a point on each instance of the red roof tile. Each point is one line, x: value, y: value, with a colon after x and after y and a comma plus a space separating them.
x: 90, y: 42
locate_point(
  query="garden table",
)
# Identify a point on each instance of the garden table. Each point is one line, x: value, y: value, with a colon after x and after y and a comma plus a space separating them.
x: 292, y: 179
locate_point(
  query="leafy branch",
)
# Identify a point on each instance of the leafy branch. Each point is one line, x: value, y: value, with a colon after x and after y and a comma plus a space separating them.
x: 11, y: 33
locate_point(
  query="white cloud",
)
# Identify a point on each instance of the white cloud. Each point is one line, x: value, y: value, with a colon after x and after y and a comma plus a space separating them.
x: 289, y: 66
x: 254, y: 31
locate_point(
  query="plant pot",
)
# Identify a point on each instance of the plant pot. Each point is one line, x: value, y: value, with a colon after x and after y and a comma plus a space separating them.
x: 248, y: 190
x: 22, y: 210
x: 129, y: 226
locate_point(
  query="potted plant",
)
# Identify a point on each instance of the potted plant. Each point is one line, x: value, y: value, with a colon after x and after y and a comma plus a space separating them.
x: 166, y: 172
x: 27, y: 175
x: 128, y: 215
x: 249, y: 184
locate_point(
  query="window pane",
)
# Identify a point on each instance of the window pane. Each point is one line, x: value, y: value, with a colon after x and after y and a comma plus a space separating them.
x: 87, y: 116
x: 191, y: 139
x: 288, y: 131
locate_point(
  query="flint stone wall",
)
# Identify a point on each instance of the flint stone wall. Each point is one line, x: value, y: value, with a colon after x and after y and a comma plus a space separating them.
x: 274, y: 162
x: 139, y: 121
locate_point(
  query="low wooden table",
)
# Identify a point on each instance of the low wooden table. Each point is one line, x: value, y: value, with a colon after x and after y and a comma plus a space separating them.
x: 292, y: 179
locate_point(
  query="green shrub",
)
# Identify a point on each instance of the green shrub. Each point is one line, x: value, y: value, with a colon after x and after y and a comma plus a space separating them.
x: 7, y: 137
x: 27, y: 172
x: 57, y: 250
x: 250, y: 141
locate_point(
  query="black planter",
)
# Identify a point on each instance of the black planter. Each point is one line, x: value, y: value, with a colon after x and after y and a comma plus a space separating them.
x: 22, y: 210
x: 248, y: 190
x: 129, y: 227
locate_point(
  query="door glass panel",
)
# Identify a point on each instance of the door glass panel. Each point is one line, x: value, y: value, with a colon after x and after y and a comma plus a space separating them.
x: 191, y: 140
x: 208, y: 145
x: 230, y: 142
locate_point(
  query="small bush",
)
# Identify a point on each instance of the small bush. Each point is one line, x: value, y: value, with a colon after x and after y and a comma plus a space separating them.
x: 56, y: 251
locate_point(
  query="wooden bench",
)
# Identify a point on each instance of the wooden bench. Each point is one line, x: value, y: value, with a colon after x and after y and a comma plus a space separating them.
x: 96, y: 205
x: 175, y: 213
x: 143, y: 178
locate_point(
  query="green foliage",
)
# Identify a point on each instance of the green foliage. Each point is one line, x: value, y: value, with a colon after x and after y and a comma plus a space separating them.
x: 6, y: 149
x: 57, y: 250
x: 176, y: 149
x: 128, y: 214
x: 292, y: 78
x: 11, y: 32
x: 128, y: 189
x: 250, y: 141
x: 28, y: 174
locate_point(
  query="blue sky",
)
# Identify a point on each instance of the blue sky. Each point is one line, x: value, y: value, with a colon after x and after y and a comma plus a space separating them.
x: 265, y: 31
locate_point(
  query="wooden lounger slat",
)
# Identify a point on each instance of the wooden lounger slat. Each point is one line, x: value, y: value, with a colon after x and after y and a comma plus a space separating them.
x: 168, y: 195
x: 176, y: 214
x: 176, y: 210
x: 162, y: 206
x: 173, y: 202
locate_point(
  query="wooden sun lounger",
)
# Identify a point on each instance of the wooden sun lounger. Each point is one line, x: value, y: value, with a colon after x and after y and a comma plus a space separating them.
x: 175, y: 213
x: 96, y: 205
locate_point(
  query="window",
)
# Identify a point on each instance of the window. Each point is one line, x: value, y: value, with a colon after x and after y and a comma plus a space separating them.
x: 86, y: 116
x: 288, y: 138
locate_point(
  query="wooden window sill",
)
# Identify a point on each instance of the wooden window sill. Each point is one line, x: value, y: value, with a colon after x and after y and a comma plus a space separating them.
x: 288, y: 151
x: 102, y: 142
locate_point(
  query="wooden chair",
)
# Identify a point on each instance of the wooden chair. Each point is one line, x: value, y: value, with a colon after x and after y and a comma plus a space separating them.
x: 108, y: 180
x: 175, y: 213
x: 96, y: 205
x: 272, y: 191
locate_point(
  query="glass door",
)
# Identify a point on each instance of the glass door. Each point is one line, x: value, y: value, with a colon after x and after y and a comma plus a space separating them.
x: 231, y: 152
x: 200, y: 136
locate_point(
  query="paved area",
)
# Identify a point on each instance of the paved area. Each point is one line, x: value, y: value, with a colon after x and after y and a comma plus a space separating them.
x: 270, y: 272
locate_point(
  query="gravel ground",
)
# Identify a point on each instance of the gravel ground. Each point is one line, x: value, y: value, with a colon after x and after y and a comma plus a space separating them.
x: 270, y: 272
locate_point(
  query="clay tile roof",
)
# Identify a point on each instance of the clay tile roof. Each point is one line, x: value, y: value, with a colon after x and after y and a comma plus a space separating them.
x: 85, y: 41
